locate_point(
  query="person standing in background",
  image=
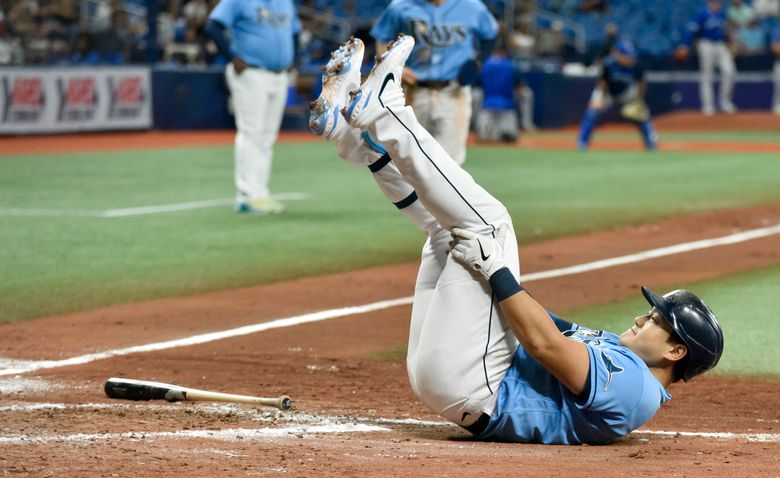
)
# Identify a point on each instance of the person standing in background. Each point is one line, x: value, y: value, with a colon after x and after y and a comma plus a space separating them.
x: 774, y: 43
x: 503, y: 94
x: 709, y: 27
x: 453, y: 38
x: 263, y: 35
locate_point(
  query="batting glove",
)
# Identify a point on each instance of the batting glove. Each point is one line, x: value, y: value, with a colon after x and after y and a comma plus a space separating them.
x: 482, y: 253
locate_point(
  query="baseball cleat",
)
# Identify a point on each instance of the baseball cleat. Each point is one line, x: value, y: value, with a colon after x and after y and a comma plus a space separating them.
x: 382, y: 87
x: 260, y: 207
x: 339, y: 76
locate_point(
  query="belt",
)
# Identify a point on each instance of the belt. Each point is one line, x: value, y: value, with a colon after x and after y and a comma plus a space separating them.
x: 434, y: 84
x: 266, y: 69
x: 479, y: 426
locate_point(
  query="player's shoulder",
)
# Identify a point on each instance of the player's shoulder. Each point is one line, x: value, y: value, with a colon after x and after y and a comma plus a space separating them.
x: 404, y: 4
x: 474, y: 4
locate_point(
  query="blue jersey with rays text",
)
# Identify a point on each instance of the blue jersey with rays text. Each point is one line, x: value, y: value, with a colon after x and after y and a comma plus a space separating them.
x: 261, y: 30
x: 445, y: 35
x: 620, y: 395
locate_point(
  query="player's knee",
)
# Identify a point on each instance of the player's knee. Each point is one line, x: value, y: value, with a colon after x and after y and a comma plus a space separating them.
x: 436, y: 380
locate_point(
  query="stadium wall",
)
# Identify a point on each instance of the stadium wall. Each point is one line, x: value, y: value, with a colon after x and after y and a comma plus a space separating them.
x: 50, y: 100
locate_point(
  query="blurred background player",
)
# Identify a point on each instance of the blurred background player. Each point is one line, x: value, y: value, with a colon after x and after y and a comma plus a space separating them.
x: 709, y: 30
x: 775, y: 46
x: 452, y: 38
x: 622, y: 80
x: 503, y: 92
x: 261, y: 51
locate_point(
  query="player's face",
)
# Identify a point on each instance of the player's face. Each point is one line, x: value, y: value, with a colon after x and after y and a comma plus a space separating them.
x: 649, y: 337
x: 624, y: 60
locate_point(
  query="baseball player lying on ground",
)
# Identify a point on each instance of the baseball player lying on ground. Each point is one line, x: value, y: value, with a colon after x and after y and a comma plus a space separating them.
x: 482, y: 352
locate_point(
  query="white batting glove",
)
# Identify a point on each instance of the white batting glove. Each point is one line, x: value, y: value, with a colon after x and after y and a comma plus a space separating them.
x: 482, y: 253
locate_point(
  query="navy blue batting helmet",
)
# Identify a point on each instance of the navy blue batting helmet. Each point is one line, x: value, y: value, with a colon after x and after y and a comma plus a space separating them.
x: 696, y: 326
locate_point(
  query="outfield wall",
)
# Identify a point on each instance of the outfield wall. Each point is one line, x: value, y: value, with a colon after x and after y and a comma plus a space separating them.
x: 50, y: 100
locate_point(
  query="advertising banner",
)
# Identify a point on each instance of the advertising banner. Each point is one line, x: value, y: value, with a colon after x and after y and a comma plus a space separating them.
x: 51, y: 100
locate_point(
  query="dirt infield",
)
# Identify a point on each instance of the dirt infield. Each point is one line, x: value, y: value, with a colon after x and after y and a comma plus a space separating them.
x: 677, y: 122
x: 340, y: 379
x: 354, y: 412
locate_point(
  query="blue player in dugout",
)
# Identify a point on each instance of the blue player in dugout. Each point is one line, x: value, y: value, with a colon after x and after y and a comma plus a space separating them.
x: 622, y: 81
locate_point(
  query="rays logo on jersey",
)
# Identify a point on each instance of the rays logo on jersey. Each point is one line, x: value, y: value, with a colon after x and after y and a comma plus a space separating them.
x: 440, y: 35
x: 585, y: 335
x: 612, y: 369
x: 275, y: 19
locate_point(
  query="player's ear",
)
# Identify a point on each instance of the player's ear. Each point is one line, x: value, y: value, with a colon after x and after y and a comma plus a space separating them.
x: 676, y: 352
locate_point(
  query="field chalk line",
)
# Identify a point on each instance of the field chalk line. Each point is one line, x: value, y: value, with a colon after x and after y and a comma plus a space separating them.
x: 300, y: 424
x: 20, y: 367
x: 137, y: 211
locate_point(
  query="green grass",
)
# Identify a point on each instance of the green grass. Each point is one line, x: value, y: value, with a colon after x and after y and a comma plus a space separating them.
x: 746, y: 306
x: 697, y: 136
x: 52, y: 265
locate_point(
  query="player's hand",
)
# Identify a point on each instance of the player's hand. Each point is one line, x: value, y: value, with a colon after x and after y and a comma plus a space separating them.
x: 681, y: 53
x: 239, y: 65
x: 482, y: 253
x: 408, y: 76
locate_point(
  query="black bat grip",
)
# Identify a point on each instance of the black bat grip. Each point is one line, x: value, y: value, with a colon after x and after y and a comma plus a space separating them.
x: 135, y: 391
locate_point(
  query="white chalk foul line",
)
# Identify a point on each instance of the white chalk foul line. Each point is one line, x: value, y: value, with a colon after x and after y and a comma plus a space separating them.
x: 209, y: 337
x: 138, y: 211
x: 25, y: 367
x: 300, y: 424
x: 230, y: 434
x: 655, y: 253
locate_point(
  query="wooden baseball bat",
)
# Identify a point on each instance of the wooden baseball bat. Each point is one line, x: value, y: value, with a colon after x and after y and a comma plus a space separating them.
x: 130, y: 389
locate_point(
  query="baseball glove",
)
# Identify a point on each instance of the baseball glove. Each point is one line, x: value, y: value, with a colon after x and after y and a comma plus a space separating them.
x: 635, y: 111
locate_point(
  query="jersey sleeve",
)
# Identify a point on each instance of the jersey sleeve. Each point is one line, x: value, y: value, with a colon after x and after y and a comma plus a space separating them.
x: 616, y: 383
x: 563, y: 325
x: 387, y: 26
x: 224, y: 12
x: 487, y: 27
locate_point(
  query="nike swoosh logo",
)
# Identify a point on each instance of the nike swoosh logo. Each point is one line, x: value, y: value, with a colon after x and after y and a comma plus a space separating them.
x: 481, y: 252
x: 388, y: 78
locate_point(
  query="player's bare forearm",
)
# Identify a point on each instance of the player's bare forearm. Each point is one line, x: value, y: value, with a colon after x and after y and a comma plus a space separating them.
x: 567, y: 359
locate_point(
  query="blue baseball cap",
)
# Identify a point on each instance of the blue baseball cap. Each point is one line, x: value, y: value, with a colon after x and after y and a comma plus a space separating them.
x: 625, y: 47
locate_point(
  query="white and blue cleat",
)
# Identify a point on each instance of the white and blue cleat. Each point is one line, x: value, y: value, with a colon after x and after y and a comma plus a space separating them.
x: 382, y: 88
x: 339, y: 76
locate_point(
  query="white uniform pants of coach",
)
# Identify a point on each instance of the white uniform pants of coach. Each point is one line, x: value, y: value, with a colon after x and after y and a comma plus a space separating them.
x: 776, y: 101
x: 446, y: 114
x: 460, y: 347
x: 258, y: 97
x: 712, y: 54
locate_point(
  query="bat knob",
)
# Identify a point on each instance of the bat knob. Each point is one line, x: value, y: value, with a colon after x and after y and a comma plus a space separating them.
x: 286, y: 403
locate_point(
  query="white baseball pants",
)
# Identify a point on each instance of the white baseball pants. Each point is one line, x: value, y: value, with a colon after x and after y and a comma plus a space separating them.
x: 446, y: 114
x: 258, y: 97
x: 460, y: 347
x: 776, y: 99
x: 712, y: 54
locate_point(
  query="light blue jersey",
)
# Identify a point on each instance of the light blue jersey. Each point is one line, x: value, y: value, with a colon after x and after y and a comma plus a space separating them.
x: 261, y: 30
x: 445, y: 35
x: 620, y: 395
